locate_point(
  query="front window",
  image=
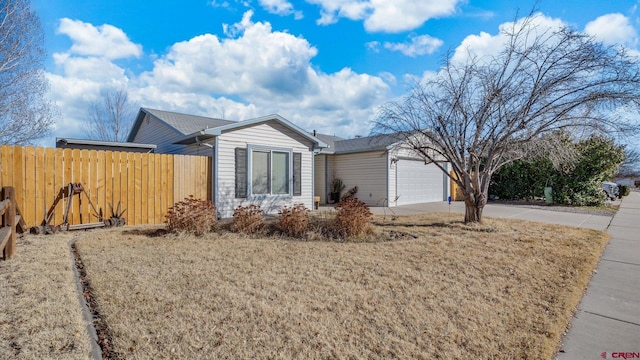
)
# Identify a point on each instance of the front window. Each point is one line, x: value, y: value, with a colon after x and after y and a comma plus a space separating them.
x: 269, y: 172
x: 279, y: 173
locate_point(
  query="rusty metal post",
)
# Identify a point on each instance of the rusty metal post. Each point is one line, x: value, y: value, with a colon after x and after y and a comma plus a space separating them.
x: 10, y: 217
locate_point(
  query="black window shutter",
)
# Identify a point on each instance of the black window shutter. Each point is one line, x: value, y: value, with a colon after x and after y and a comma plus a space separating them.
x: 241, y: 173
x: 297, y: 174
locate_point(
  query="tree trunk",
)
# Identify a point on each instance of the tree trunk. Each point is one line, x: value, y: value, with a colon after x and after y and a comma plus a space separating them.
x: 473, y: 206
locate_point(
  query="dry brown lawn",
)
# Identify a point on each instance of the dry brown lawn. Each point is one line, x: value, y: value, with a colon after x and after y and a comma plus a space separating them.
x: 40, y: 316
x: 505, y: 289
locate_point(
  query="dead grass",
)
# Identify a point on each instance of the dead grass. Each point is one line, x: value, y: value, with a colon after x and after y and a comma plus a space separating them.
x: 504, y: 289
x: 40, y: 316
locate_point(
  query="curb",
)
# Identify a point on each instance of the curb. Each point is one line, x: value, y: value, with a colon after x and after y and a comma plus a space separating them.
x: 96, y: 352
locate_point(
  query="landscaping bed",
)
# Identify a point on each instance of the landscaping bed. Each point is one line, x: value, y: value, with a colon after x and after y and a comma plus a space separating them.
x: 442, y: 289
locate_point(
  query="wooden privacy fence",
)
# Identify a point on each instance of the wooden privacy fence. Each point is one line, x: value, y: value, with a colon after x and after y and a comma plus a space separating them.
x: 12, y: 222
x: 146, y: 185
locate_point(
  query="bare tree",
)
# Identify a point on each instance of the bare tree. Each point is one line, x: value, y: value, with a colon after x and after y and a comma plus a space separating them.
x: 25, y: 114
x: 484, y: 112
x: 631, y: 165
x: 111, y: 117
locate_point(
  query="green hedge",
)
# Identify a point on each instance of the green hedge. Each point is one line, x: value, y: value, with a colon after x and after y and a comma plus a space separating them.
x: 577, y: 183
x: 625, y: 190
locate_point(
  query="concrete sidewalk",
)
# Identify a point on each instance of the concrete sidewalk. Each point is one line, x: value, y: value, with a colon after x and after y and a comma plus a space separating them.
x: 607, y: 323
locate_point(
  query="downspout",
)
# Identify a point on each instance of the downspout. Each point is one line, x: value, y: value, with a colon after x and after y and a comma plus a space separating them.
x: 326, y: 179
x: 313, y: 177
x: 388, y: 174
x: 214, y: 176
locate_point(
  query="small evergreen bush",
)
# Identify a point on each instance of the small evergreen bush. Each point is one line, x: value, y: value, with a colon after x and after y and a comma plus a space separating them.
x: 248, y: 219
x: 195, y: 216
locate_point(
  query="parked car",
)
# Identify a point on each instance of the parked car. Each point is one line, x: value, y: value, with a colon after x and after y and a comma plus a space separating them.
x: 611, y: 190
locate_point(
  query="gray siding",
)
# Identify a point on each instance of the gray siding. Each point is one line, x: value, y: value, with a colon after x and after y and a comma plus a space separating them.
x: 270, y: 134
x: 152, y: 131
x: 319, y: 177
x: 366, y: 170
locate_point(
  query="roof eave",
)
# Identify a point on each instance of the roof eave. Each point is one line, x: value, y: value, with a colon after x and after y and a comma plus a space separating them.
x: 217, y: 131
x: 105, y: 143
x: 195, y: 138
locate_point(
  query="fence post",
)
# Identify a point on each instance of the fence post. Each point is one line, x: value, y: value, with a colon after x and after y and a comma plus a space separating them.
x: 10, y: 217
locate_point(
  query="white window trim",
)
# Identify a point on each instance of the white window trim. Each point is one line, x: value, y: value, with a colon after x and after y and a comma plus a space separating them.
x: 270, y: 149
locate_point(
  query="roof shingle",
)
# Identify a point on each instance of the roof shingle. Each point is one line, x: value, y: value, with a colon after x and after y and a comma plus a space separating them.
x: 185, y: 123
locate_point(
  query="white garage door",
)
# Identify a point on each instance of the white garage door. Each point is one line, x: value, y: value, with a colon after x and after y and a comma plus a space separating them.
x: 418, y: 183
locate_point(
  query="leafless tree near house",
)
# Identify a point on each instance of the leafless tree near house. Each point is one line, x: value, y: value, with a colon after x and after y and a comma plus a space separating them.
x: 485, y: 112
x: 25, y: 113
x: 110, y: 118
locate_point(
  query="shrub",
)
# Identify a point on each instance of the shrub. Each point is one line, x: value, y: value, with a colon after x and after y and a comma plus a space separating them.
x: 352, y: 217
x: 191, y: 215
x: 294, y: 220
x: 248, y: 219
x: 576, y: 182
x: 351, y: 193
x: 624, y: 190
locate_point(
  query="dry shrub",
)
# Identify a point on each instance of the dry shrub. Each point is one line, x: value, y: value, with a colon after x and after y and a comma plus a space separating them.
x: 248, y: 219
x: 195, y: 216
x: 294, y: 220
x: 352, y: 217
x: 351, y: 193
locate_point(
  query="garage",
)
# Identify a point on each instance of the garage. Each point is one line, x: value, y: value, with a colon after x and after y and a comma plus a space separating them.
x: 418, y: 183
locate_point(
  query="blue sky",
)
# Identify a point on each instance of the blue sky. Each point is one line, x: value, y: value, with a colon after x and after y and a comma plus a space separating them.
x: 323, y: 64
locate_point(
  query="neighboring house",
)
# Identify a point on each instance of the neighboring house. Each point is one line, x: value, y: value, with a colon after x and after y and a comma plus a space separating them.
x: 68, y: 143
x: 385, y: 173
x: 266, y: 161
x: 631, y: 181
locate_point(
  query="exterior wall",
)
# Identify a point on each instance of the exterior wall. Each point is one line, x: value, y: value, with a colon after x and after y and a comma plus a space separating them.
x: 392, y: 181
x: 320, y: 177
x: 407, y: 154
x: 152, y: 131
x: 269, y: 134
x: 368, y: 171
x: 626, y: 181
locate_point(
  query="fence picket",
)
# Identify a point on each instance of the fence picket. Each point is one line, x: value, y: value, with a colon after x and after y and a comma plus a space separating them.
x: 39, y: 209
x: 29, y: 198
x: 145, y: 184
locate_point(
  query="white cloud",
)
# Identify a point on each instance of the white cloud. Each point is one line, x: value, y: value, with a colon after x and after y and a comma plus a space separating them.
x: 418, y: 45
x: 98, y: 70
x: 259, y: 60
x: 485, y: 44
x: 193, y: 103
x: 373, y: 46
x: 281, y: 7
x: 104, y: 41
x: 220, y: 4
x: 613, y: 29
x: 271, y: 70
x: 251, y: 71
x: 384, y: 15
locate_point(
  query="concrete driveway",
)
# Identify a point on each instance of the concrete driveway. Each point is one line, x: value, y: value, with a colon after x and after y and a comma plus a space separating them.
x: 540, y: 214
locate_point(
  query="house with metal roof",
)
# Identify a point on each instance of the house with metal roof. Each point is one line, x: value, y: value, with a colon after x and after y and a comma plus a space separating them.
x: 267, y: 160
x: 385, y: 172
